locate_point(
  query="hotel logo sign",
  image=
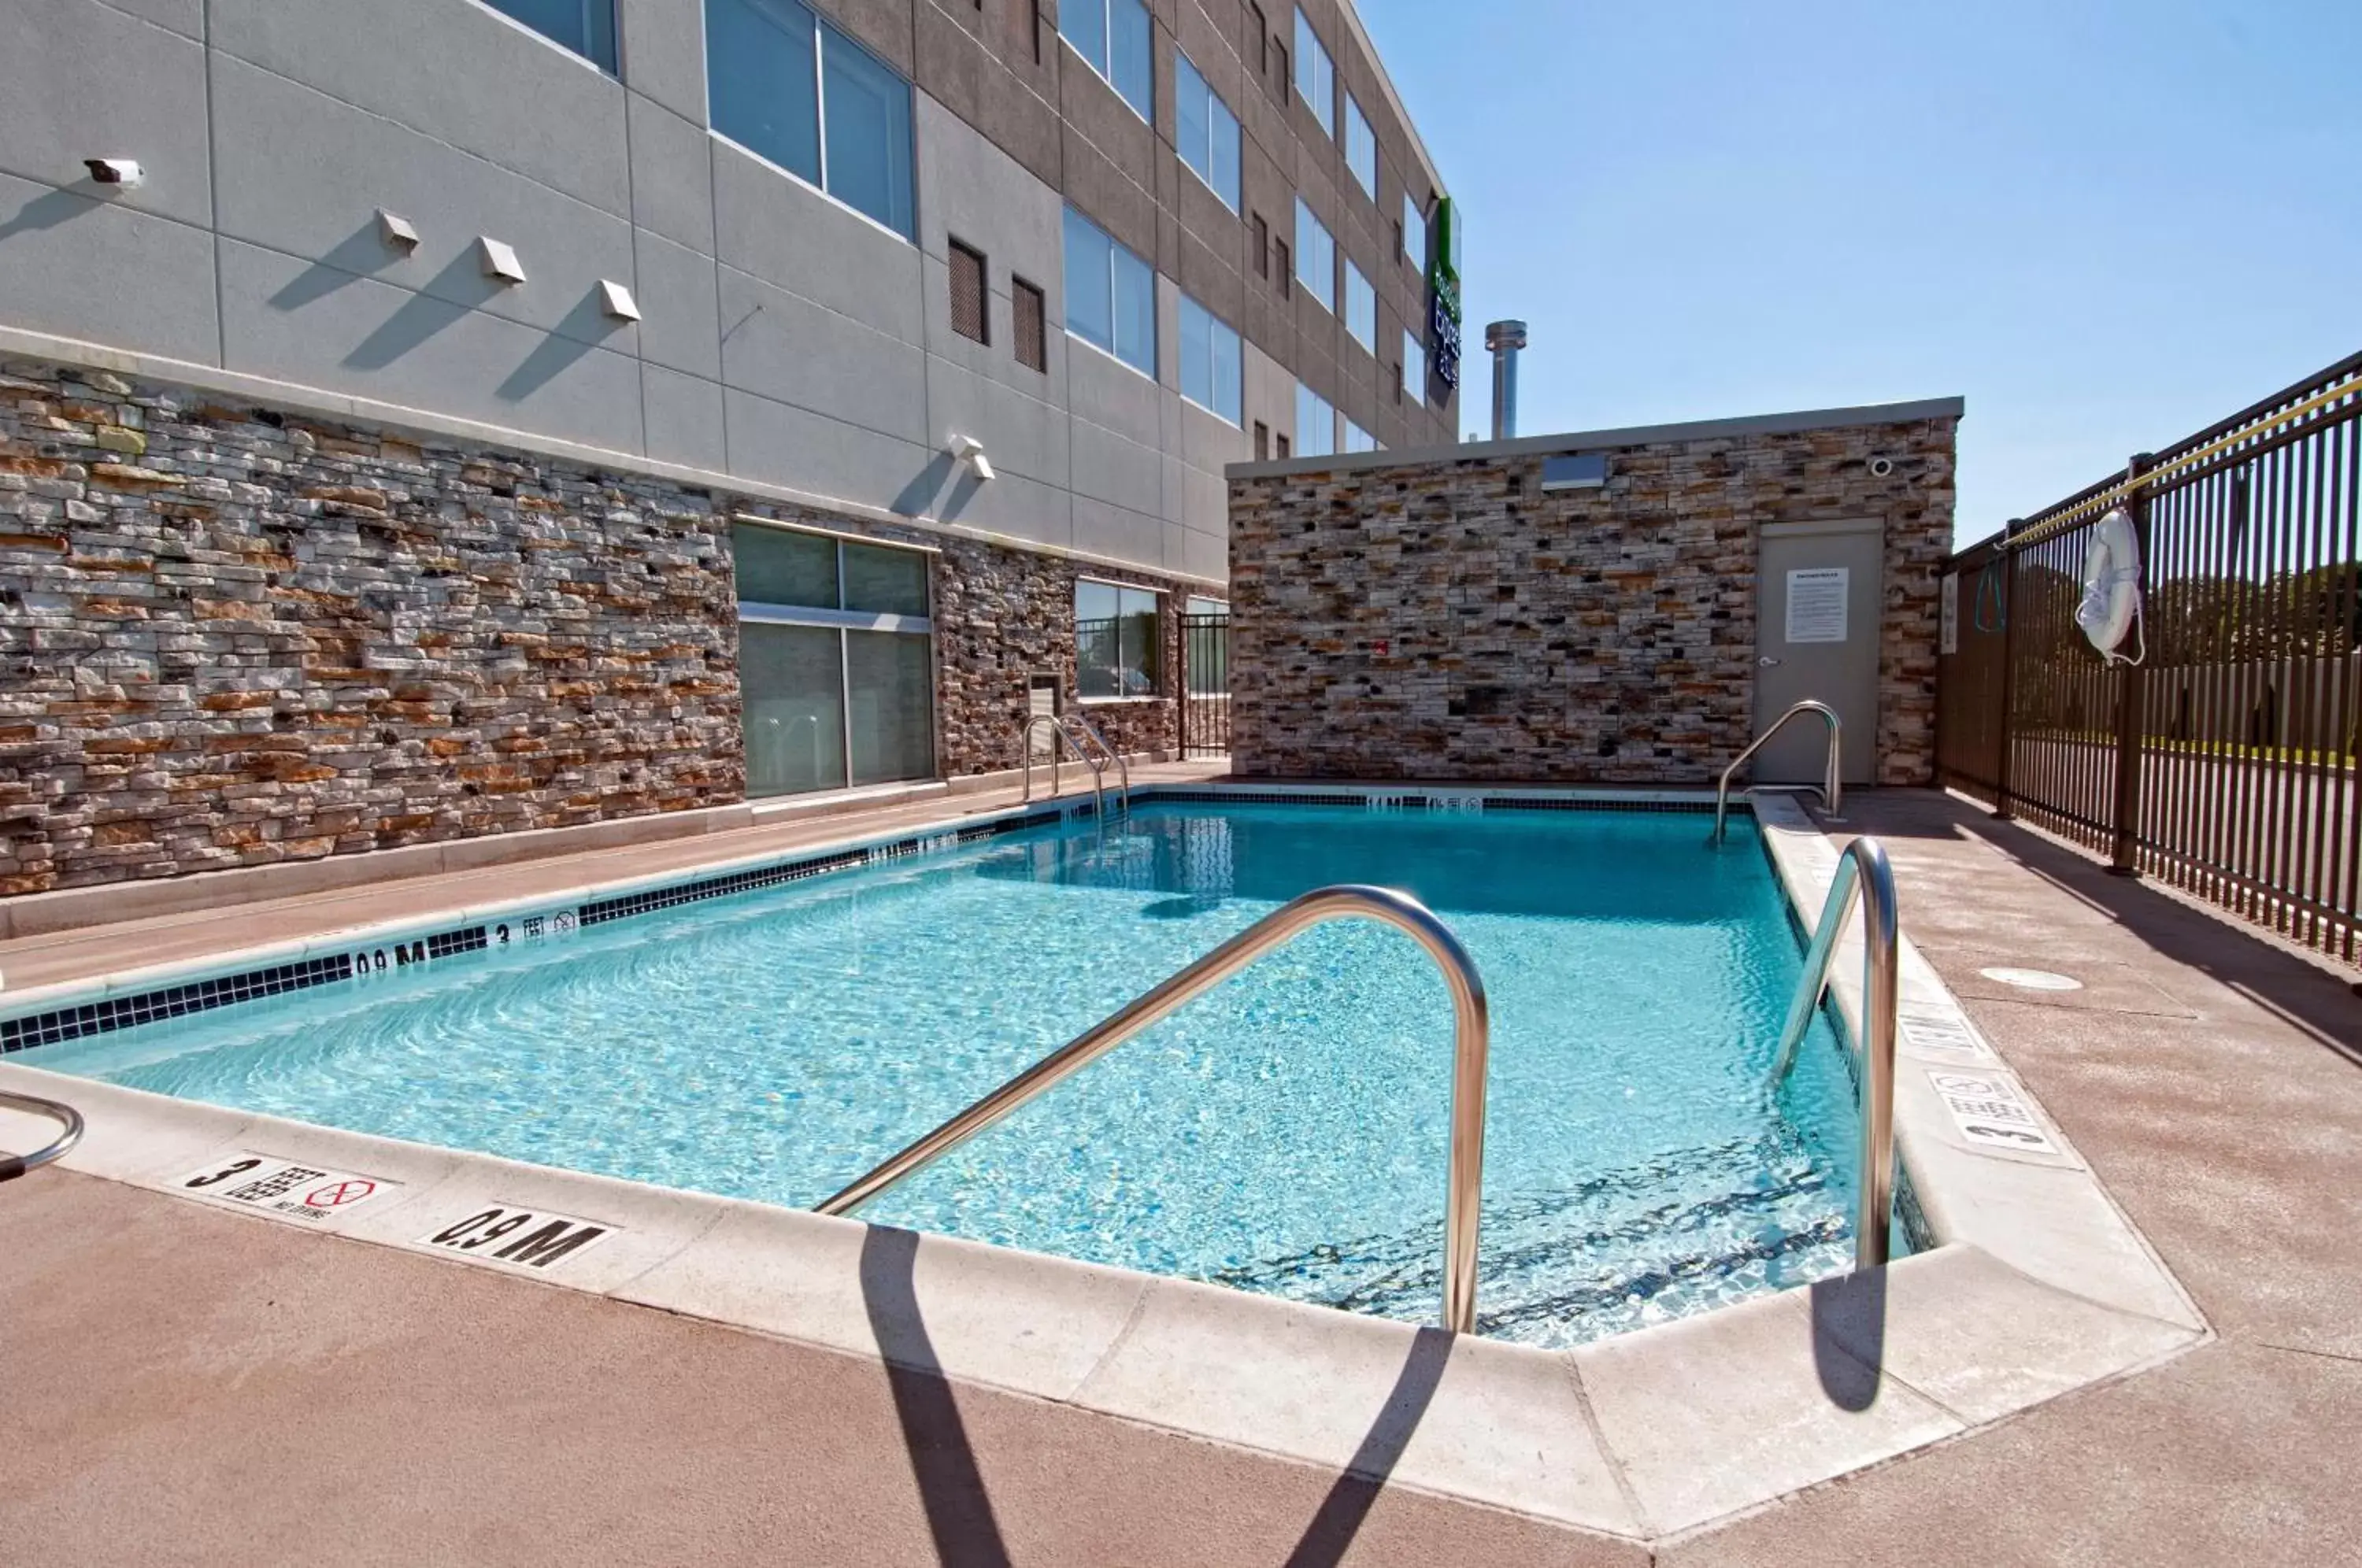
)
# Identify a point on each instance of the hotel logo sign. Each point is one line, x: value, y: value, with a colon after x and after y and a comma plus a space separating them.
x: 1443, y: 296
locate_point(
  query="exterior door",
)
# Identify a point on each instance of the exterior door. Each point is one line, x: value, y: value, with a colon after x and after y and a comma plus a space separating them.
x: 1818, y: 598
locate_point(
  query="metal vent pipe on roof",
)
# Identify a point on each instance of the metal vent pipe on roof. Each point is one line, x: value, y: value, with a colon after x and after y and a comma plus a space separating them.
x: 1505, y: 338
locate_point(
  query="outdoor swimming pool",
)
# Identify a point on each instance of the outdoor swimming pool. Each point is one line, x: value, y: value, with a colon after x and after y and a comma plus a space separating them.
x: 1285, y: 1133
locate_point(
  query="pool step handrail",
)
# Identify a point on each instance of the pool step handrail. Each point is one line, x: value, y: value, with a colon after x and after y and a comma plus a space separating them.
x: 1471, y: 1044
x: 1863, y: 876
x: 67, y: 1118
x: 1090, y: 732
x: 1058, y: 732
x: 1832, y: 784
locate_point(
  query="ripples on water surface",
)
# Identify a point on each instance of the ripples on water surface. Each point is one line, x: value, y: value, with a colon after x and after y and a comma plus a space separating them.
x: 1285, y: 1133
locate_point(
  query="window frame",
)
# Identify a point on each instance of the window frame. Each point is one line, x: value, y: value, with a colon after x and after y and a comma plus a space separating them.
x: 1105, y: 72
x: 1414, y: 357
x: 611, y: 61
x: 1111, y: 348
x: 1355, y: 439
x: 1368, y: 307
x: 1325, y: 291
x: 1323, y: 66
x: 1369, y: 138
x: 1327, y: 448
x: 823, y: 28
x: 1218, y: 111
x: 765, y: 612
x: 1236, y: 417
x: 1154, y: 674
x: 1413, y: 221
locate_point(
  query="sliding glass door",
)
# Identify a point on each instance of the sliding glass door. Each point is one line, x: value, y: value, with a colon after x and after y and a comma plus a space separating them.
x: 835, y: 661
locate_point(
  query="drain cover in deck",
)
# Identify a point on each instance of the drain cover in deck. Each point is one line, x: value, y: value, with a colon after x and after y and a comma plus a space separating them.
x: 2032, y: 980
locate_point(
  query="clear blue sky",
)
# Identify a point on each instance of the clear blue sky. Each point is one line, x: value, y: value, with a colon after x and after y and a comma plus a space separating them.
x: 2105, y: 224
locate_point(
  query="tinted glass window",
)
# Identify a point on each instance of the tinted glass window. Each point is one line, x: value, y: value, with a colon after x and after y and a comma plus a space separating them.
x: 868, y: 133
x: 586, y: 26
x: 776, y: 567
x: 1316, y: 256
x: 762, y: 81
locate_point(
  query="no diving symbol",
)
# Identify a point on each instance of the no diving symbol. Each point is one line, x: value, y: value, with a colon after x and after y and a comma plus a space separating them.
x: 350, y: 1190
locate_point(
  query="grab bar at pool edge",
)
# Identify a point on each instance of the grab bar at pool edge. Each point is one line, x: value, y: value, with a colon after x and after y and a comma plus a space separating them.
x: 65, y: 1116
x: 1471, y: 1035
x: 1059, y: 731
x: 1123, y: 769
x: 1832, y: 785
x: 1862, y: 872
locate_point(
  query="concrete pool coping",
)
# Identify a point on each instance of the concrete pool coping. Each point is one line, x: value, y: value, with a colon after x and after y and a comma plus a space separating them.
x: 2037, y: 1285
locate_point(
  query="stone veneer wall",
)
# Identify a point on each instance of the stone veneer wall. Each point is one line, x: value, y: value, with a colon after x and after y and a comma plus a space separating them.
x: 1580, y: 637
x: 230, y: 636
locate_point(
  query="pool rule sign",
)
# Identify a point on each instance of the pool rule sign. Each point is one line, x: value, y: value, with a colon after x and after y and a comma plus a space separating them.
x: 287, y: 1187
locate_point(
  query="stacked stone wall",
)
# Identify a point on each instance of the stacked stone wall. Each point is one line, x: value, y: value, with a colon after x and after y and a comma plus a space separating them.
x: 234, y: 636
x: 1450, y: 619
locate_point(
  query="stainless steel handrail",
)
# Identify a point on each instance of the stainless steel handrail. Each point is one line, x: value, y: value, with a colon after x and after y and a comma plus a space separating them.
x: 1832, y: 785
x: 1123, y: 769
x: 1862, y: 872
x: 1471, y: 1037
x: 65, y: 1116
x: 1059, y: 731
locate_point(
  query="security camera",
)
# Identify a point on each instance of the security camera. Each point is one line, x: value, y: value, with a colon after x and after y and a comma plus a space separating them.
x: 115, y: 170
x: 1881, y: 467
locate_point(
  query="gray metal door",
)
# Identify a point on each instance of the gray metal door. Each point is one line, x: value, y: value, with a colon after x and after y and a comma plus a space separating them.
x: 1817, y: 604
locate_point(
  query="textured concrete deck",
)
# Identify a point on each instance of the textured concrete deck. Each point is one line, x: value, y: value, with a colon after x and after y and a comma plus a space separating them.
x: 212, y: 1388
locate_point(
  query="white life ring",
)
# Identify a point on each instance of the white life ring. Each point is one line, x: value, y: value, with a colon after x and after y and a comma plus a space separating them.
x: 2111, y: 596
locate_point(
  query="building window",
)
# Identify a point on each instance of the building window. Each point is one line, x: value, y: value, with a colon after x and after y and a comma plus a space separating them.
x: 1414, y: 367
x: 1032, y: 326
x: 1316, y: 256
x: 1262, y: 25
x: 1286, y: 267
x: 835, y: 661
x: 1209, y: 132
x: 1316, y: 77
x: 1115, y: 640
x: 1279, y: 444
x: 1261, y: 246
x: 1360, y: 307
x: 1262, y: 441
x: 1110, y: 295
x: 771, y: 64
x: 1112, y: 36
x: 1361, y: 148
x: 1413, y: 231
x: 586, y: 26
x: 970, y: 317
x: 1279, y: 77
x: 1316, y: 423
x: 1211, y: 374
x: 1358, y: 439
x: 1399, y: 380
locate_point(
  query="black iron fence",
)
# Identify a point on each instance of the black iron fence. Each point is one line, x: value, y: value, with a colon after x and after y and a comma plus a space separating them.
x: 1205, y: 685
x: 2217, y: 751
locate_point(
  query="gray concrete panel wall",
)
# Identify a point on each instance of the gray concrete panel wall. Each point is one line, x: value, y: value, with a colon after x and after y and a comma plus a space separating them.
x: 784, y: 338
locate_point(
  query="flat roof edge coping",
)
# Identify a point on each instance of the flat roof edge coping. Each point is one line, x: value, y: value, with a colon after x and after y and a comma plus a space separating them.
x: 1603, y: 440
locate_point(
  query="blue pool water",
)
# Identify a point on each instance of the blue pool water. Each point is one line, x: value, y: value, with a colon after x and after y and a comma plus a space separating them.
x: 1285, y: 1133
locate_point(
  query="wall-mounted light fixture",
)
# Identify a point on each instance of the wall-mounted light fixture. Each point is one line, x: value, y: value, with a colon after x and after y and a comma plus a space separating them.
x: 1881, y: 467
x: 123, y: 171
x: 617, y: 302
x: 500, y: 260
x: 969, y: 450
x: 398, y: 232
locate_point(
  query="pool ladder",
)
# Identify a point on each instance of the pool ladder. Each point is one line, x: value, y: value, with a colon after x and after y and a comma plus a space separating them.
x: 1090, y: 749
x: 1863, y: 876
x: 65, y: 1116
x: 1471, y: 1044
x: 1832, y: 785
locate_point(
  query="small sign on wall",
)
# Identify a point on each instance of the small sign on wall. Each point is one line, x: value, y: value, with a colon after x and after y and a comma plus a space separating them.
x: 1949, y: 627
x: 1817, y: 605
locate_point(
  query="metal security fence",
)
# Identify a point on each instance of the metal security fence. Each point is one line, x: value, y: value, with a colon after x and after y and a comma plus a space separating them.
x: 1205, y: 685
x: 2218, y: 752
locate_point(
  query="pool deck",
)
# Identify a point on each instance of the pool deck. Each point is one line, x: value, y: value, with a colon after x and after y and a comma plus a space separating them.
x: 201, y: 1386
